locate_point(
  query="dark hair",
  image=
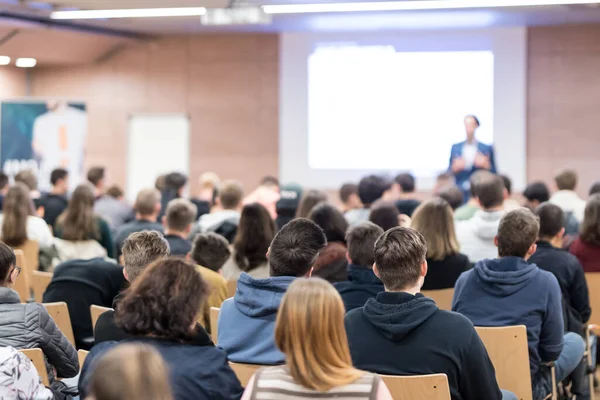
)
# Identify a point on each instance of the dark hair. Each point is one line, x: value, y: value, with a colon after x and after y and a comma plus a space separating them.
x: 477, y: 177
x: 399, y: 254
x: 537, y: 191
x: 16, y: 211
x: 385, y: 214
x: 566, y: 180
x: 160, y: 183
x: 210, y: 250
x: 28, y: 178
x: 7, y: 261
x: 406, y: 182
x: 164, y: 301
x: 590, y: 226
x: 361, y: 243
x: 95, y: 175
x: 490, y: 191
x: 115, y: 192
x: 371, y: 188
x: 347, y: 190
x: 3, y: 180
x: 295, y: 248
x: 593, y: 190
x: 254, y: 235
x: 78, y: 221
x: 310, y: 199
x: 180, y: 214
x: 517, y: 231
x: 507, y: 183
x: 57, y: 175
x: 453, y: 195
x: 269, y: 180
x: 551, y: 219
x: 331, y: 220
x: 474, y: 118
x: 175, y: 181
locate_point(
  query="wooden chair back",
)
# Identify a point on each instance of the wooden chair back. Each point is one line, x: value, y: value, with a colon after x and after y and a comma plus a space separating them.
x: 507, y: 348
x: 244, y: 371
x: 442, y: 297
x: 39, y: 283
x: 60, y: 314
x: 39, y: 361
x: 31, y: 249
x: 418, y: 387
x: 22, y: 286
x: 231, y: 287
x: 593, y: 282
x: 214, y: 324
x: 81, y: 355
x: 96, y: 312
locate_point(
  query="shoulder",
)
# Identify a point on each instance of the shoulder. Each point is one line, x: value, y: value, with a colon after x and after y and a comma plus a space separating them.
x: 214, y: 278
x: 36, y: 222
x: 458, y: 324
x: 354, y: 315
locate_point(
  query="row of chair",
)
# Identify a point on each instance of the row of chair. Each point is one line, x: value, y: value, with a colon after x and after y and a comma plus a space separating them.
x: 37, y: 358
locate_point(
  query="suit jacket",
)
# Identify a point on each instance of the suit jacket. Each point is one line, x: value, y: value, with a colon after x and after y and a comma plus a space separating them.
x: 462, y: 177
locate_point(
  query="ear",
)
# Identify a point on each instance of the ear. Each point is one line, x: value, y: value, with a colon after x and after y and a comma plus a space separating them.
x: 310, y: 272
x: 164, y: 221
x: 188, y: 229
x: 376, y: 271
x: 531, y: 250
x: 268, y: 251
x: 424, y: 268
x: 348, y: 258
x: 188, y: 257
x: 506, y: 195
x: 125, y: 275
x: 561, y: 233
x: 496, y: 240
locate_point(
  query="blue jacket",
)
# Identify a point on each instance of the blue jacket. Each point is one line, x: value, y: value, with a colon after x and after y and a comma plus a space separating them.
x: 462, y: 177
x: 362, y: 284
x: 247, y: 321
x: 509, y: 291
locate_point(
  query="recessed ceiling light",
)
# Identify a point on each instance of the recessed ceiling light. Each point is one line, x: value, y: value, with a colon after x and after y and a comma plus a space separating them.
x: 130, y: 13
x: 26, y: 62
x: 4, y: 60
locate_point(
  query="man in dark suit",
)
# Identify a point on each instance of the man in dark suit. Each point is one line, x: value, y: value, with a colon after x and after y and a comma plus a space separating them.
x: 470, y: 156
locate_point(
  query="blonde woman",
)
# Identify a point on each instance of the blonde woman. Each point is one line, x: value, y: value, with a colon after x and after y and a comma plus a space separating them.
x: 434, y: 220
x: 310, y: 332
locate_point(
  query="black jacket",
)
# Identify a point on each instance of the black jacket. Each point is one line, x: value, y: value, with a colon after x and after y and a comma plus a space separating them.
x: 106, y: 329
x: 362, y: 284
x: 54, y: 205
x: 401, y: 334
x: 179, y: 246
x: 444, y: 274
x: 569, y: 273
x: 407, y: 206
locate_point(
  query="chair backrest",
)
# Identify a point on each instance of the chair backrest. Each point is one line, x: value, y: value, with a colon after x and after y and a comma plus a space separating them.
x: 39, y: 361
x: 81, y: 355
x: 244, y: 371
x: 418, y: 387
x: 60, y: 314
x: 39, y: 282
x: 31, y: 249
x: 22, y: 286
x: 96, y: 312
x: 231, y: 287
x: 442, y: 297
x: 507, y: 348
x: 214, y: 323
x: 593, y: 282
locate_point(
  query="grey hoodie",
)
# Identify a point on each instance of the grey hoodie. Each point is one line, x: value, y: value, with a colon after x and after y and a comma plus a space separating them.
x: 476, y: 235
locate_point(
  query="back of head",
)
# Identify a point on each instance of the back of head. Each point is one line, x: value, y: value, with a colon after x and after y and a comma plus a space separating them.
x: 310, y: 199
x: 78, y: 221
x: 28, y: 178
x: 406, y: 182
x: 180, y: 214
x: 453, y: 195
x: 58, y: 175
x: 254, y: 235
x: 161, y: 183
x: 175, y: 181
x: 385, y: 214
x: 7, y: 262
x: 399, y: 254
x: 115, y: 192
x: 210, y: 180
x: 211, y: 250
x: 295, y: 248
x: 507, y: 183
x: 590, y: 227
x: 310, y: 332
x: 3, y: 180
x: 331, y: 220
x: 434, y: 220
x: 16, y: 209
x: 289, y: 201
x: 551, y: 219
x: 141, y: 249
x: 231, y: 194
x: 476, y: 178
x: 566, y: 180
x: 594, y: 189
x: 371, y: 188
x: 347, y: 190
x: 270, y: 182
x: 131, y: 372
x: 537, y: 191
x: 517, y: 231
x: 147, y: 202
x: 361, y: 243
x: 490, y: 191
x: 95, y: 175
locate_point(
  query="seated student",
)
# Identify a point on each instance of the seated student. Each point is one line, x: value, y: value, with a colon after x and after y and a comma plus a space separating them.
x: 385, y: 214
x: 442, y: 181
x: 28, y: 325
x: 408, y: 201
x: 362, y: 283
x: 433, y: 219
x: 160, y: 310
x: 309, y: 200
x: 178, y: 225
x: 266, y: 194
x: 147, y: 207
x: 566, y: 198
x: 171, y: 187
x: 537, y: 193
x: 310, y: 332
x: 332, y: 263
x: 288, y: 204
x: 247, y: 321
x: 509, y: 203
x: 139, y: 250
x: 29, y: 179
x: 20, y: 379
x: 454, y: 196
x: 468, y: 210
x: 401, y: 332
x: 3, y: 187
x: 587, y: 246
x: 55, y: 202
x: 370, y: 189
x: 349, y: 197
x: 476, y: 235
x: 510, y: 291
x: 224, y: 221
x: 96, y: 177
x: 207, y: 197
x: 594, y: 189
x: 113, y: 208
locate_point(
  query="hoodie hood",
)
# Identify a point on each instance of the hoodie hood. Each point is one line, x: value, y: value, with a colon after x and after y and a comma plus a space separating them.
x: 397, y: 314
x: 211, y: 222
x: 485, y: 224
x: 505, y: 276
x: 260, y: 297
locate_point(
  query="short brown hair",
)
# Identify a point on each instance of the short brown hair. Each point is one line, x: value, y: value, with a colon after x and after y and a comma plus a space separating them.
x: 180, y: 214
x: 453, y: 195
x: 361, y: 243
x: 434, y: 220
x: 141, y: 249
x: 517, y: 231
x: 490, y: 191
x: 384, y: 214
x: 28, y: 178
x: 552, y: 219
x: 146, y: 201
x: 347, y: 190
x: 95, y: 175
x: 231, y: 193
x: 115, y: 191
x: 399, y: 254
x: 210, y: 250
x: 590, y: 227
x: 566, y: 180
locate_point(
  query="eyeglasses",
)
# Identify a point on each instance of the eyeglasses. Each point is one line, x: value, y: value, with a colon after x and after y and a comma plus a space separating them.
x: 18, y: 269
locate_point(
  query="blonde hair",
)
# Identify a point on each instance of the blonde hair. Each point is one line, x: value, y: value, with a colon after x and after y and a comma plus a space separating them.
x: 310, y: 332
x: 131, y: 372
x: 435, y: 221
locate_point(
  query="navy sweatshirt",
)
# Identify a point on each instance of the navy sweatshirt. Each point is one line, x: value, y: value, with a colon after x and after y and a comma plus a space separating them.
x: 362, y: 284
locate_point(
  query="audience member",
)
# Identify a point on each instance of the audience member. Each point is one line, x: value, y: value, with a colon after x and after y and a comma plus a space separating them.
x: 17, y: 222
x: 370, y: 189
x: 266, y: 194
x: 29, y: 179
x: 3, y: 187
x: 224, y: 221
x: 509, y: 203
x: 408, y: 201
x: 310, y: 332
x: 468, y: 210
x: 287, y: 206
x: 401, y: 332
x: 160, y: 310
x: 385, y: 214
x: 96, y: 176
x: 309, y: 200
x: 147, y: 207
x: 130, y: 372
x: 178, y: 225
x: 566, y: 198
x: 332, y: 263
x: 594, y: 189
x: 139, y: 250
x: 28, y: 325
x: 433, y: 219
x: 587, y: 246
x: 113, y: 208
x: 442, y: 181
x: 160, y: 183
x: 510, y: 291
x: 55, y: 202
x: 537, y: 193
x: 20, y: 378
x: 207, y: 198
x: 249, y: 250
x: 247, y: 321
x: 453, y: 195
x: 79, y: 223
x: 476, y: 235
x: 349, y: 197
x: 362, y: 283
x: 173, y: 187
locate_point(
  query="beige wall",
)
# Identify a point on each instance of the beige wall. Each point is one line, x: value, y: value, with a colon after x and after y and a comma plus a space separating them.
x: 13, y: 82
